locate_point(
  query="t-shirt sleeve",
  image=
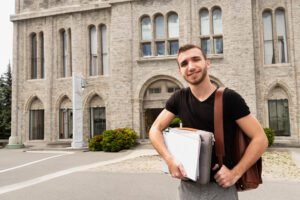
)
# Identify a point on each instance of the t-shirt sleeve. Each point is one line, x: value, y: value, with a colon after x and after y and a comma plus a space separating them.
x: 236, y: 105
x: 172, y: 103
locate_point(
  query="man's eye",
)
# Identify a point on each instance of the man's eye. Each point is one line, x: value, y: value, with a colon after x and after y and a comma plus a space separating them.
x: 196, y: 59
x: 183, y: 64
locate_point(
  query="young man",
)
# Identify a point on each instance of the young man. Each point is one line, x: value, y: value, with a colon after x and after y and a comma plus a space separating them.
x: 194, y: 105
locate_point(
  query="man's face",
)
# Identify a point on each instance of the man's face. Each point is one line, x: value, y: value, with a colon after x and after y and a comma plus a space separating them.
x: 193, y: 66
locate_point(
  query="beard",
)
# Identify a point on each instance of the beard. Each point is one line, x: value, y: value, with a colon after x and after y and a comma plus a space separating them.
x: 199, y: 79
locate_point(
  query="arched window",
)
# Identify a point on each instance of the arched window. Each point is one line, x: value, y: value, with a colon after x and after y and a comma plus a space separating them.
x: 275, y: 37
x: 146, y: 36
x: 173, y: 26
x: 36, y: 120
x: 268, y: 38
x: 281, y: 36
x: 217, y: 31
x: 217, y: 21
x: 159, y: 35
x: 211, y: 38
x: 146, y: 28
x: 159, y: 27
x: 65, y: 53
x: 65, y: 119
x: 97, y: 116
x: 204, y: 30
x: 278, y: 106
x: 33, y: 41
x: 93, y: 51
x: 173, y: 33
x: 42, y: 55
x: 70, y: 50
x: 165, y: 31
x: 104, y: 50
x: 99, y: 58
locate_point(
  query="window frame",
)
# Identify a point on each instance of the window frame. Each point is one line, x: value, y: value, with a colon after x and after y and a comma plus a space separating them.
x: 165, y: 40
x: 92, y: 121
x: 42, y: 54
x: 93, y: 50
x: 101, y: 65
x: 275, y: 40
x: 33, y: 56
x: 34, y: 127
x: 285, y: 123
x: 211, y: 37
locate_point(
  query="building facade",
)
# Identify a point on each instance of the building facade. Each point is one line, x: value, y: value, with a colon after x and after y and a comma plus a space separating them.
x: 84, y: 66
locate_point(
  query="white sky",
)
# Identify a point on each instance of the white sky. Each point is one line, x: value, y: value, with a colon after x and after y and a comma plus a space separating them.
x: 7, y: 8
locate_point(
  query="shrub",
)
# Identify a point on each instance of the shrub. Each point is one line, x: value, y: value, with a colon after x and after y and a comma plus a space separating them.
x: 270, y: 133
x: 175, y: 122
x: 118, y: 139
x: 95, y: 143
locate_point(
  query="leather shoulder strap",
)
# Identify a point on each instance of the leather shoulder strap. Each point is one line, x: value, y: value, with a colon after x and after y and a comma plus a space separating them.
x: 218, y: 125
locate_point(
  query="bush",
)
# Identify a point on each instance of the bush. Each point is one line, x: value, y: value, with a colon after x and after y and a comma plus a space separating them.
x: 175, y: 122
x: 118, y: 139
x: 270, y: 133
x: 95, y: 143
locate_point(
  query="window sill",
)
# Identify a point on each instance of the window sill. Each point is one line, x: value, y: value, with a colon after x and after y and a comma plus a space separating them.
x: 156, y: 58
x: 98, y: 76
x: 36, y: 79
x: 278, y: 65
x: 215, y: 56
x: 65, y: 78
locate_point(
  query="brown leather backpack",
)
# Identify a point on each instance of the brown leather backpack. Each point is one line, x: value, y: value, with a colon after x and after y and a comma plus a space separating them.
x: 252, y: 177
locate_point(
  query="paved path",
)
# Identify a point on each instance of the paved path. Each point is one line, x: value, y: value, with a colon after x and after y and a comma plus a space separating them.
x: 67, y: 175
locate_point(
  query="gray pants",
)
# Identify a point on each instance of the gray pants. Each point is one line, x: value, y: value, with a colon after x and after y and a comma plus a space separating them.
x: 212, y: 191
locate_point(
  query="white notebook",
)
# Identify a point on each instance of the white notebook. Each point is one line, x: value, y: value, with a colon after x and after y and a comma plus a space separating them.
x: 185, y: 148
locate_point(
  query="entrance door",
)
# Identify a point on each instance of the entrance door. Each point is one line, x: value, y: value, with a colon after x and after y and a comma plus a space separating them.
x: 279, y: 117
x: 150, y: 116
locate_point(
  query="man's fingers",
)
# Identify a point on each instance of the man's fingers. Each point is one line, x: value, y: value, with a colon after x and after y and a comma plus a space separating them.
x: 216, y: 166
x: 182, y: 171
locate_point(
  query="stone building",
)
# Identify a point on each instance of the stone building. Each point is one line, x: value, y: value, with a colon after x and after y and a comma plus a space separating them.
x: 83, y: 66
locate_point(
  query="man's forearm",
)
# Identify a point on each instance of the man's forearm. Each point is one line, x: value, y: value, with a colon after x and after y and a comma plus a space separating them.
x: 158, y: 142
x: 254, y: 151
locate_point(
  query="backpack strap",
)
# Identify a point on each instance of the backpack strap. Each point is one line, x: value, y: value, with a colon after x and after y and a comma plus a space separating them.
x: 218, y: 125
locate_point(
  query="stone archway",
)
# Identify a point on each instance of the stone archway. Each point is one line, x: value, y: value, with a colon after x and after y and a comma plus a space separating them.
x: 155, y: 95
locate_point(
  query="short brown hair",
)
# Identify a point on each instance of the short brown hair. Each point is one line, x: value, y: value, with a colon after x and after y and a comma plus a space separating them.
x: 187, y: 47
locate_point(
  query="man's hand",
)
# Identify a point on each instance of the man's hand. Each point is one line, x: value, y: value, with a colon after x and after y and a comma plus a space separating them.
x: 226, y: 177
x: 176, y: 169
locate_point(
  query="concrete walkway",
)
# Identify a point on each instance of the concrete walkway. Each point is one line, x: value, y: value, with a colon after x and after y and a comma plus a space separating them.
x: 78, y: 176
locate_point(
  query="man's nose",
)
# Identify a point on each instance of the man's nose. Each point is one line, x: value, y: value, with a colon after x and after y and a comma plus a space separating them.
x: 191, y: 65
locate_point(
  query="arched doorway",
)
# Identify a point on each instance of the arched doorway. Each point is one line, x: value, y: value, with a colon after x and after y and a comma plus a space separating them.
x: 156, y: 93
x: 36, y: 120
x: 278, y: 111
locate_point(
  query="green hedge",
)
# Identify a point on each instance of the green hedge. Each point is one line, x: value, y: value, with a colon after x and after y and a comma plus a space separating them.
x: 270, y: 133
x: 175, y: 122
x: 116, y: 140
x: 95, y: 143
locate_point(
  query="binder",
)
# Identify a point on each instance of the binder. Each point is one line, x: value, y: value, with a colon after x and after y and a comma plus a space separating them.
x: 192, y: 149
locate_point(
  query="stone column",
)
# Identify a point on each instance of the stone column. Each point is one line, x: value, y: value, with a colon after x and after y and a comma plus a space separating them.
x: 15, y: 140
x: 77, y: 112
x: 77, y: 90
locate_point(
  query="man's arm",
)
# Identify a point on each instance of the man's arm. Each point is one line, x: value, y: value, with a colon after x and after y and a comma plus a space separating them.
x: 158, y: 142
x: 255, y: 149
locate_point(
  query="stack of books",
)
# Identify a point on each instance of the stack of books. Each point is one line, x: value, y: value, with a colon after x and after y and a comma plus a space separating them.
x: 191, y: 149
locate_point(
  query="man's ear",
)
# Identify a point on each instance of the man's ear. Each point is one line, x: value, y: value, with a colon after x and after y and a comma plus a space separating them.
x: 208, y: 63
x: 179, y: 70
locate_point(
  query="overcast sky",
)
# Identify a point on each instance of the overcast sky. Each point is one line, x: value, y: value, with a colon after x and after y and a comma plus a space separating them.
x: 7, y: 8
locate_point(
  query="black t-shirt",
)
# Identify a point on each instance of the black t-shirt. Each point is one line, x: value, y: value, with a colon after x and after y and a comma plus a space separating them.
x: 200, y: 115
